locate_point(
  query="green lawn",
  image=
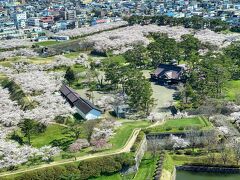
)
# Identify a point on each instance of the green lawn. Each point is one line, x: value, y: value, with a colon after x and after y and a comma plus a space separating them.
x: 118, y: 140
x: 232, y: 90
x: 2, y: 77
x: 72, y: 55
x: 112, y: 177
x: 41, y: 60
x: 168, y: 163
x: 6, y: 63
x: 147, y: 167
x: 52, y: 132
x: 116, y: 176
x: 124, y: 132
x: 175, y: 125
x: 47, y: 43
x: 116, y: 58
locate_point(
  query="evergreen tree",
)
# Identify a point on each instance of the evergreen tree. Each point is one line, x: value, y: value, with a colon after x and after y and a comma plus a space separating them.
x: 70, y: 75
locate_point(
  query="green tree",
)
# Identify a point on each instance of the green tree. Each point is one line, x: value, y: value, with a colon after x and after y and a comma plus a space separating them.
x: 207, y: 79
x: 28, y: 128
x: 70, y: 75
x: 137, y: 57
x: 88, y: 127
x: 163, y: 49
x: 116, y: 73
x: 218, y: 25
x: 190, y: 45
x: 187, y: 93
x: 139, y: 92
x: 216, y: 69
x: 233, y: 52
x: 75, y: 131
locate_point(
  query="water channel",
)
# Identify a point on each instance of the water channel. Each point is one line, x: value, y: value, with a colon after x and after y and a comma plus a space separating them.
x: 189, y: 175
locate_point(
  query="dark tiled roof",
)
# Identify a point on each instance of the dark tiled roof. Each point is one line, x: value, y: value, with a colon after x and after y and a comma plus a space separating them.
x: 168, y: 71
x: 65, y: 90
x: 72, y: 97
x: 84, y: 107
x: 75, y: 99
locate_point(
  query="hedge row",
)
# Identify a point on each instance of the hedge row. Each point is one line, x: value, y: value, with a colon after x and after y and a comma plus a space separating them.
x: 17, y: 94
x: 138, y: 141
x: 83, y: 170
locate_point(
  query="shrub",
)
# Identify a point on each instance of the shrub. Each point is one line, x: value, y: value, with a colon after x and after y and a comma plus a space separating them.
x: 62, y: 143
x: 168, y: 128
x: 44, y: 174
x: 67, y: 156
x: 181, y: 128
x: 104, y: 165
x: 180, y: 152
x: 84, y: 170
x: 60, y: 119
x: 133, y: 148
x: 146, y: 131
x: 188, y: 152
x: 16, y: 137
x: 137, y: 142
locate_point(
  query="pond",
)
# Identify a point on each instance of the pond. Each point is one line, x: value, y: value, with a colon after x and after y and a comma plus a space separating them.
x: 189, y: 175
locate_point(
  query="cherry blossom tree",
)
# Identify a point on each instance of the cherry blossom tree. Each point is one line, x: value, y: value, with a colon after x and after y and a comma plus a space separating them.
x: 14, y: 43
x: 25, y: 52
x: 78, y: 145
x: 77, y: 32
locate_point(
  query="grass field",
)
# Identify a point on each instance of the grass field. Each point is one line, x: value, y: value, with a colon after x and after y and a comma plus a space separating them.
x: 147, y: 167
x: 232, y: 90
x: 56, y: 132
x: 117, y: 58
x: 72, y: 55
x: 47, y: 43
x: 124, y: 132
x: 2, y: 77
x: 41, y: 60
x: 116, y: 176
x: 52, y: 132
x: 111, y: 177
x: 6, y: 63
x: 176, y: 125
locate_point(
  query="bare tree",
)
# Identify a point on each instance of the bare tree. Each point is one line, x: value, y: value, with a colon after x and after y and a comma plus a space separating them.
x: 236, y: 151
x: 210, y: 141
x: 224, y: 152
x: 153, y: 145
x: 193, y: 136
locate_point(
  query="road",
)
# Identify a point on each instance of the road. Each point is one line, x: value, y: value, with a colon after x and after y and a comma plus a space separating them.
x: 125, y: 148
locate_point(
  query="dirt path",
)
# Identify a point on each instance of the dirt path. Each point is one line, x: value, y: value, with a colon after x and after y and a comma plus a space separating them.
x: 125, y: 148
x: 158, y: 123
x: 55, y: 123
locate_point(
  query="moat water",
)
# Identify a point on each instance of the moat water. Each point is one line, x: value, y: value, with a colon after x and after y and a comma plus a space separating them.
x: 189, y: 175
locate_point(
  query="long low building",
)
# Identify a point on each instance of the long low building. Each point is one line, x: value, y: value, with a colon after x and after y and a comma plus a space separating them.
x: 85, y: 108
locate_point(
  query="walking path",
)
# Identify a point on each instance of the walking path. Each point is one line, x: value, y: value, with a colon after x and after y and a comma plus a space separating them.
x: 125, y: 148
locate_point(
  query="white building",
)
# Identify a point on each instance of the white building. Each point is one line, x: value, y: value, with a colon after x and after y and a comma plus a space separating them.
x: 20, y: 19
x: 33, y: 21
x: 84, y: 108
